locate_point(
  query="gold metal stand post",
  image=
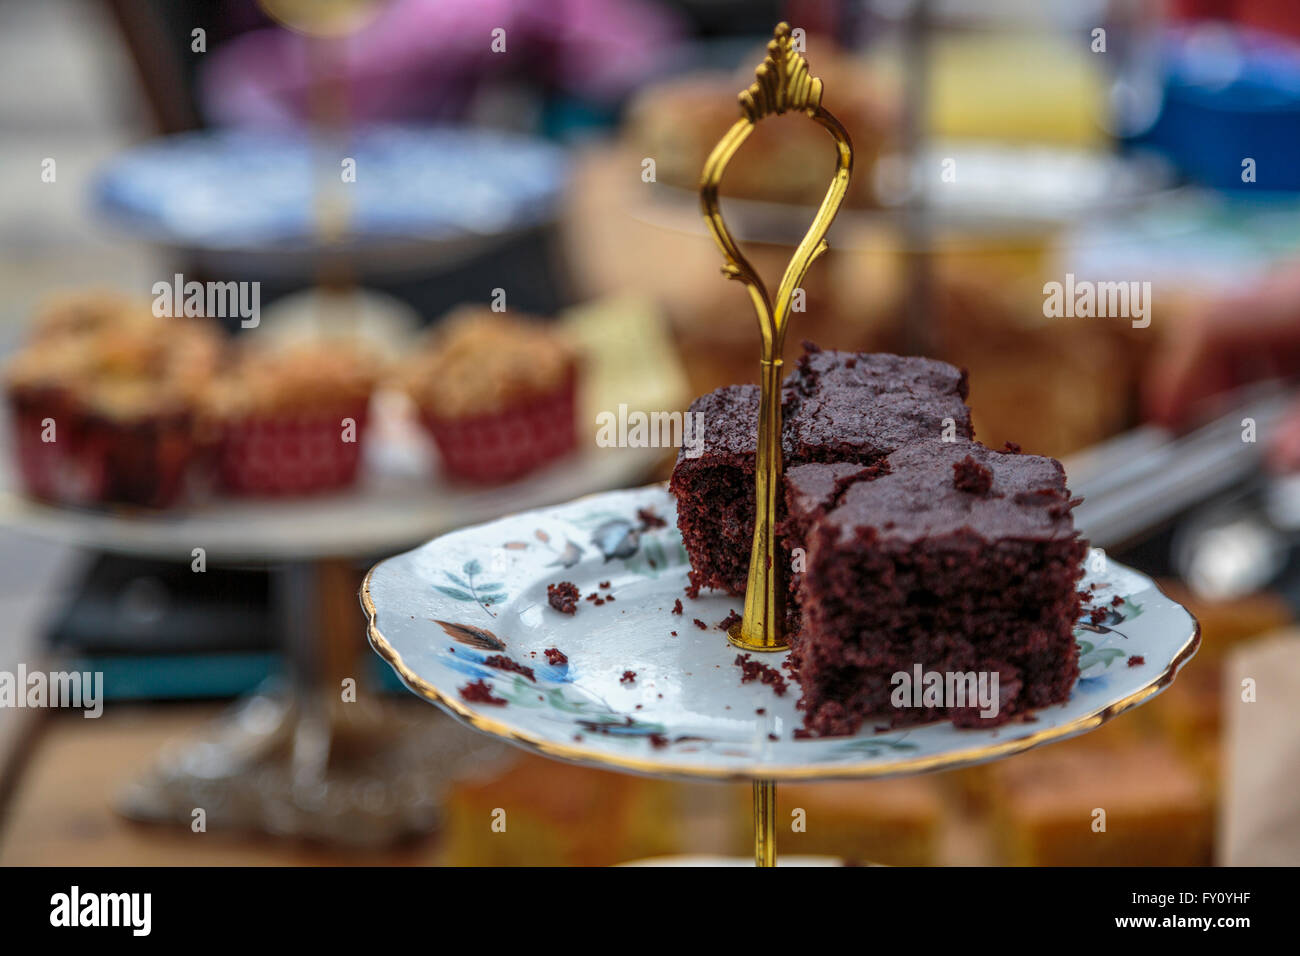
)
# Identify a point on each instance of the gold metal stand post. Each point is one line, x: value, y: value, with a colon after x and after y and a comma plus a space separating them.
x: 765, y: 823
x: 783, y: 84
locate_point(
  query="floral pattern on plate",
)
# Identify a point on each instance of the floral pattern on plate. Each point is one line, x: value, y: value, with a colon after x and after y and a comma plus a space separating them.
x: 636, y: 686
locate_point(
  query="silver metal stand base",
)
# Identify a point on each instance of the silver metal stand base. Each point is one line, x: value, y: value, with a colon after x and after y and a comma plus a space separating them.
x: 351, y: 774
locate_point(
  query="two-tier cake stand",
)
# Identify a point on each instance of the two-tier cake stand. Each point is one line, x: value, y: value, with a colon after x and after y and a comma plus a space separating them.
x: 633, y: 684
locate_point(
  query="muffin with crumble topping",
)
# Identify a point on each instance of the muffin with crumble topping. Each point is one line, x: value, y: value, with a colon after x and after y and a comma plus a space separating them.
x: 103, y: 399
x: 39, y: 383
x: 290, y: 420
x: 496, y: 392
x: 86, y: 312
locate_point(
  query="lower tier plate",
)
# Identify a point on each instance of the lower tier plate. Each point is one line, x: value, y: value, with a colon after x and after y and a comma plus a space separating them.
x: 632, y: 695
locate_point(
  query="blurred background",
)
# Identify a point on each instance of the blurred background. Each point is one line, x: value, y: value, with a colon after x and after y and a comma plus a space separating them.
x: 384, y: 172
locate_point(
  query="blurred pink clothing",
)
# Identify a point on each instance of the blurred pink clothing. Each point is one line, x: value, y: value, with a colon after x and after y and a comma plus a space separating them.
x: 424, y: 59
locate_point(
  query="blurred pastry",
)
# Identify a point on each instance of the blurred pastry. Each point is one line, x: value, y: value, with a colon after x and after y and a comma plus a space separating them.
x: 291, y: 420
x: 541, y: 813
x: 103, y: 399
x: 1048, y: 808
x: 974, y: 787
x: 786, y: 159
x: 83, y: 313
x: 497, y: 393
x: 895, y: 822
x: 1052, y: 386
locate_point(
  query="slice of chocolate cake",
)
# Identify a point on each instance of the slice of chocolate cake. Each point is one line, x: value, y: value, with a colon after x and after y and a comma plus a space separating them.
x: 811, y: 491
x: 715, y: 490
x: 837, y: 407
x: 954, y: 565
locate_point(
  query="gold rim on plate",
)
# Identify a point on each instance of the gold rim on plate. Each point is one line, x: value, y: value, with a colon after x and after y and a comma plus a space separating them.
x: 876, y: 768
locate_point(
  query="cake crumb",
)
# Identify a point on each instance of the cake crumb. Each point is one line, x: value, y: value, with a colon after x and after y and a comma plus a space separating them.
x: 677, y: 606
x: 555, y: 657
x: 480, y: 692
x: 649, y: 519
x: 503, y: 663
x: 701, y: 625
x: 1097, y: 615
x: 629, y: 677
x: 732, y: 618
x: 603, y: 585
x: 751, y: 669
x: 1117, y: 600
x: 563, y: 596
x: 658, y: 741
x: 1010, y: 448
x: 1137, y: 660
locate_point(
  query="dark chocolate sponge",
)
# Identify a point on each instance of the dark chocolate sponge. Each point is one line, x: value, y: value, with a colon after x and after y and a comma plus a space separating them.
x: 836, y: 406
x: 906, y: 566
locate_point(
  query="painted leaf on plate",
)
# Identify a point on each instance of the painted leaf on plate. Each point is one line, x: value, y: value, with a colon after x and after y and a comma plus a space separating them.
x: 474, y: 636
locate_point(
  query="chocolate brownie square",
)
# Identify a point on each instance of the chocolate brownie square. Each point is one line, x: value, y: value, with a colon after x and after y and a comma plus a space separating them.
x: 951, y: 559
x: 836, y: 407
x: 811, y: 491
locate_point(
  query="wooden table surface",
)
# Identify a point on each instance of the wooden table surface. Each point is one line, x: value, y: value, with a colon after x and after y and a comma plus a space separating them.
x: 60, y: 809
x: 60, y: 812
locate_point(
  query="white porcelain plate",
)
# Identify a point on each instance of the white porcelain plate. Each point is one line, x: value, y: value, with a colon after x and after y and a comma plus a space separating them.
x: 632, y: 695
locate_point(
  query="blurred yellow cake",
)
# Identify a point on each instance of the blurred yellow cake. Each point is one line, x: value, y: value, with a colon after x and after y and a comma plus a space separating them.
x: 895, y: 822
x: 539, y: 812
x: 1049, y: 806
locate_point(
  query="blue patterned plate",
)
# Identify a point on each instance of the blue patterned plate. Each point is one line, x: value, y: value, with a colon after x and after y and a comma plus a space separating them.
x: 242, y: 189
x: 470, y: 609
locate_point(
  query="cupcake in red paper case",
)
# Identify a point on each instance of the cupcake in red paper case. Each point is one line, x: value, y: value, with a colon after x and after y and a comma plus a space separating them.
x: 134, y: 443
x: 497, y: 394
x: 103, y: 410
x: 39, y: 384
x: 291, y: 420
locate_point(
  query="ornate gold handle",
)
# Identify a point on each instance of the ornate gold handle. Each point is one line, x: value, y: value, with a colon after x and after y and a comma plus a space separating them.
x: 783, y: 84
